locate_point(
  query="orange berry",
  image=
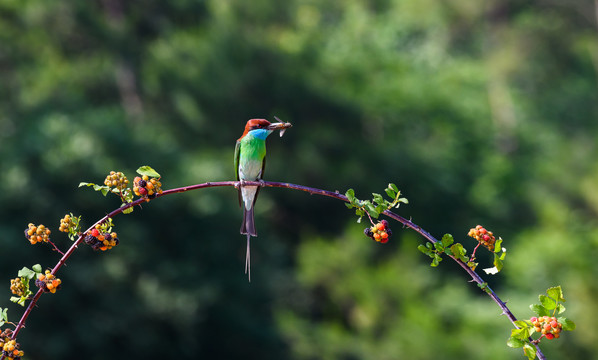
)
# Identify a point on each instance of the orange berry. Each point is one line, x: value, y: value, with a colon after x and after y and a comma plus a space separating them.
x: 55, y: 283
x: 380, y: 226
x: 50, y: 286
x: 384, y: 235
x: 377, y: 236
x: 41, y: 277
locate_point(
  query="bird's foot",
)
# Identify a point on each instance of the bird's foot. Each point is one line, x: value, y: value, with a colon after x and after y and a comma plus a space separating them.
x: 240, y: 184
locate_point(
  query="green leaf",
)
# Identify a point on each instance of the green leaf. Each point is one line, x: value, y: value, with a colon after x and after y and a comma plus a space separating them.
x: 521, y: 323
x: 37, y: 268
x: 371, y: 209
x: 497, y: 262
x: 391, y: 193
x: 348, y: 205
x: 497, y: 245
x: 556, y: 293
x: 560, y: 308
x: 128, y: 210
x: 378, y: 199
x: 568, y: 325
x: 147, y: 170
x: 447, y: 240
x: 394, y: 187
x: 547, y: 302
x: 403, y: 200
x: 425, y: 250
x: 458, y: 250
x: 4, y: 314
x: 515, y: 343
x: 85, y: 184
x: 350, y: 194
x: 18, y: 300
x: 439, y: 247
x: 529, y: 351
x: 437, y: 259
x: 27, y: 273
x: 539, y: 310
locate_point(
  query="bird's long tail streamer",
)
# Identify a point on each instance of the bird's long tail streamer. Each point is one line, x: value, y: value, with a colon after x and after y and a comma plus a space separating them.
x: 248, y: 259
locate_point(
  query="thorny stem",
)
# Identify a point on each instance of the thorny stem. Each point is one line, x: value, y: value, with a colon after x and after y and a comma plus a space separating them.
x: 334, y: 194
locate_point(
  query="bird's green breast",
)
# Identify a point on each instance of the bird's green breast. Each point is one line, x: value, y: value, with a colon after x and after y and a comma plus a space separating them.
x: 251, y: 155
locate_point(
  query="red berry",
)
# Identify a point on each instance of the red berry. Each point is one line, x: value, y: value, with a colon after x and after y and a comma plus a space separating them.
x: 95, y: 232
x: 380, y: 226
x: 384, y: 240
x: 549, y: 336
x: 554, y: 323
x: 142, y: 191
x: 533, y: 319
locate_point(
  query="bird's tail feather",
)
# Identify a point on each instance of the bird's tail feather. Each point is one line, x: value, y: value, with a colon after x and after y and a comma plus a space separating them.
x: 248, y: 225
x: 248, y: 259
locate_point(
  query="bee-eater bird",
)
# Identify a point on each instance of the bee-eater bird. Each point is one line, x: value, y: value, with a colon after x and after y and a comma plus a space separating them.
x: 250, y: 160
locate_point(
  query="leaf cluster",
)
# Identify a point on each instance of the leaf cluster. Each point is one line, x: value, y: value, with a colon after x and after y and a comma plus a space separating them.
x: 126, y: 194
x: 26, y: 275
x: 377, y: 205
x: 551, y: 304
x: 446, y: 246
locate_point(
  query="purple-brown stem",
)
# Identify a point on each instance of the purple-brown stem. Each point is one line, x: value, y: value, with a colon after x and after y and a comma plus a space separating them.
x: 334, y: 194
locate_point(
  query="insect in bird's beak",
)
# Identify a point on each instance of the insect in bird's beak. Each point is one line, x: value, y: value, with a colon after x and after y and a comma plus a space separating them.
x: 282, y: 126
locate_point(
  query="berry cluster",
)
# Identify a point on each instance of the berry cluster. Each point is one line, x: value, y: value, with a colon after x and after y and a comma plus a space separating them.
x: 144, y: 186
x: 101, y: 240
x: 48, y: 282
x: 66, y: 223
x: 17, y: 287
x: 379, y: 232
x: 37, y: 234
x: 548, y: 326
x: 117, y: 180
x: 484, y: 236
x: 10, y: 348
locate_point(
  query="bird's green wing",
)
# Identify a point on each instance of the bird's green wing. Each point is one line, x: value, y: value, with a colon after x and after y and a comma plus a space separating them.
x: 237, y: 154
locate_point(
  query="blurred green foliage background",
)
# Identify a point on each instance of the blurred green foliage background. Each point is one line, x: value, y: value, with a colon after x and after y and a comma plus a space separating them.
x: 481, y: 112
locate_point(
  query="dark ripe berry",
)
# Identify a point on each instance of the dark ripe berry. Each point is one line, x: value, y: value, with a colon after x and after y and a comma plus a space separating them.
x: 389, y: 232
x: 152, y: 195
x: 385, y: 223
x: 39, y: 283
x: 115, y: 241
x: 107, y: 236
x: 90, y: 240
x: 142, y: 183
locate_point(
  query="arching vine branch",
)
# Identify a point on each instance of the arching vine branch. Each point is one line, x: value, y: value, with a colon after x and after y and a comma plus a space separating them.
x: 127, y: 207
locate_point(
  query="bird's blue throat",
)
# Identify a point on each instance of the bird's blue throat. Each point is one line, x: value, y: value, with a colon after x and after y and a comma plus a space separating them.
x: 261, y: 134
